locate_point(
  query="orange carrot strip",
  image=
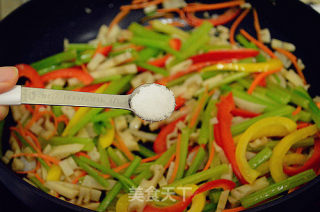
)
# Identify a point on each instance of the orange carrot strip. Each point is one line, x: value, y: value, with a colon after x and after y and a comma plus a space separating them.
x: 34, y: 138
x: 259, y: 78
x: 119, y: 168
x: 170, y: 160
x: 39, y: 155
x: 257, y: 43
x: 177, y: 10
x: 139, y: 1
x: 116, y: 169
x: 33, y: 145
x: 39, y: 178
x: 211, y: 155
x: 145, y: 160
x: 76, y: 179
x: 257, y: 25
x: 123, y: 166
x: 236, y: 24
x: 197, y: 112
x: 234, y: 209
x: 293, y: 59
x: 318, y: 104
x: 123, y: 13
x: 78, y: 154
x: 200, y: 7
x: 124, y: 148
x: 84, y: 68
x: 288, y: 54
x: 177, y: 161
x: 296, y: 111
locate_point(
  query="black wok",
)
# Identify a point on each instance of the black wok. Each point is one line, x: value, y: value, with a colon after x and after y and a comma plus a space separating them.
x: 37, y: 29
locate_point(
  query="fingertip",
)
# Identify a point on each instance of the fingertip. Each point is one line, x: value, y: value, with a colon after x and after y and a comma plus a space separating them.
x: 4, y: 110
x: 8, y: 78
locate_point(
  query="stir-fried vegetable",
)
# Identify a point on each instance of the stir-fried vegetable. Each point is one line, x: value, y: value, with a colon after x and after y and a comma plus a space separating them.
x: 240, y: 116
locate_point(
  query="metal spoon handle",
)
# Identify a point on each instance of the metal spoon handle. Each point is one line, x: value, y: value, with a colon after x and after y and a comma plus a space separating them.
x: 65, y: 98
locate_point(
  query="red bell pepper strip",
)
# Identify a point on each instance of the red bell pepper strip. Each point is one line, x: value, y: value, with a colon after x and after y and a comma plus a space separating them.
x: 224, y: 18
x: 312, y: 162
x: 68, y: 73
x: 302, y: 124
x: 175, y: 43
x: 159, y: 62
x: 160, y: 144
x: 89, y: 88
x: 104, y: 50
x: 182, y: 205
x: 224, y: 116
x: 32, y: 75
x: 263, y: 82
x: 179, y: 102
x: 243, y: 113
x: 226, y: 54
x: 216, y: 133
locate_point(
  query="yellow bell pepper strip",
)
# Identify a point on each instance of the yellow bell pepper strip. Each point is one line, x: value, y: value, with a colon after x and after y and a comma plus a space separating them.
x: 270, y: 65
x: 294, y: 158
x: 198, y: 202
x: 54, y: 173
x: 81, y: 112
x: 122, y: 203
x: 280, y: 150
x: 106, y: 139
x: 272, y: 126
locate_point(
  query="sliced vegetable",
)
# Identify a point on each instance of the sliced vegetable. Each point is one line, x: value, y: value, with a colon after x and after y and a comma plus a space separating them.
x: 181, y: 206
x: 273, y: 126
x: 219, y: 55
x: 32, y: 75
x: 117, y: 187
x: 225, y: 137
x: 312, y: 162
x: 276, y: 160
x: 272, y: 64
x: 277, y: 188
x: 55, y: 59
x: 68, y: 73
x: 160, y: 144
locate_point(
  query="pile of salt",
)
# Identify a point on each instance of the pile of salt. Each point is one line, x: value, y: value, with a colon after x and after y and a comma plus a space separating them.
x: 152, y: 102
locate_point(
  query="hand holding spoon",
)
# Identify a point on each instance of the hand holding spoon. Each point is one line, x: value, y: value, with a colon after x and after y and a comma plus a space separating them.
x: 151, y: 102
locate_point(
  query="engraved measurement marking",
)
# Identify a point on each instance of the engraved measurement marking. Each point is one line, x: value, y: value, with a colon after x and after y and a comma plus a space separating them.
x: 66, y: 98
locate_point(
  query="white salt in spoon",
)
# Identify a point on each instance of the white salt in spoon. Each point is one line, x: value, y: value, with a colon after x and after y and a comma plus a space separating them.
x: 151, y: 102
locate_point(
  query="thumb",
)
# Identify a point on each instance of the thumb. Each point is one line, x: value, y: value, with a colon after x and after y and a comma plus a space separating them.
x: 8, y: 78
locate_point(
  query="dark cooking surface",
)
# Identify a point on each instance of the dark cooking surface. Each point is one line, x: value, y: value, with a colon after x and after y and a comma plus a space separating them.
x: 54, y: 20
